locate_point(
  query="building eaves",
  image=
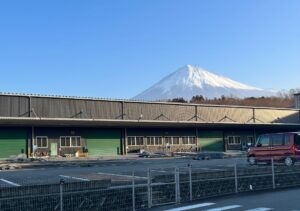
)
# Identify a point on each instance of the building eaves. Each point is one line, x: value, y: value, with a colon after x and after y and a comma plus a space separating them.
x: 26, y: 121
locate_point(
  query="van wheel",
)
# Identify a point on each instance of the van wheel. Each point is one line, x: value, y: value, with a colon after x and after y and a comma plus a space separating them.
x: 288, y: 161
x: 252, y: 160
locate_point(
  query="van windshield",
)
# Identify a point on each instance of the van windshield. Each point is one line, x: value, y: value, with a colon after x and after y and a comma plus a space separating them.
x: 297, y: 139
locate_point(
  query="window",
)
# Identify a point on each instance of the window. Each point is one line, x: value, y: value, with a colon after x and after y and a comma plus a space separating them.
x: 168, y: 140
x: 158, y: 140
x: 154, y: 140
x: 75, y: 141
x: 277, y: 140
x: 230, y: 140
x: 150, y: 140
x: 139, y: 141
x: 286, y: 140
x: 65, y: 142
x: 185, y: 140
x: 135, y: 141
x: 297, y: 139
x: 188, y: 140
x: 175, y: 140
x: 237, y: 140
x: 130, y: 141
x: 263, y: 141
x: 234, y: 140
x: 192, y: 140
x: 41, y: 142
x: 250, y: 140
x: 70, y: 141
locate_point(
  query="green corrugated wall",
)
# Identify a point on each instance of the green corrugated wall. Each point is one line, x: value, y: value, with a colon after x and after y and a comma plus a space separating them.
x: 103, y: 142
x: 211, y: 140
x: 12, y: 142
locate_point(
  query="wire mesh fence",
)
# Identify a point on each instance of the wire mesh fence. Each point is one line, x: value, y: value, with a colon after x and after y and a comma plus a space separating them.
x: 147, y: 189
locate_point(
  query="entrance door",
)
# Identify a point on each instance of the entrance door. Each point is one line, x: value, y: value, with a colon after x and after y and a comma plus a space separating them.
x: 53, y: 149
x: 103, y: 142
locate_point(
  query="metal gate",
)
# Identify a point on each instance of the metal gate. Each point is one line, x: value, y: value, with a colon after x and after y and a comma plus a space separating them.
x: 163, y: 187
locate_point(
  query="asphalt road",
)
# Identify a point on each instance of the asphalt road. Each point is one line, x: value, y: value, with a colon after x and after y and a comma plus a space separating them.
x: 104, y: 169
x: 284, y: 200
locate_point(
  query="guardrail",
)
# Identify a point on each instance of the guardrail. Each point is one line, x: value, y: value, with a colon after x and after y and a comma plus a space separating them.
x: 147, y: 189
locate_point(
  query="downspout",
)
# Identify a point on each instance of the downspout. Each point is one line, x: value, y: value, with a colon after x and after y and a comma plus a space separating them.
x: 32, y: 141
x: 124, y: 141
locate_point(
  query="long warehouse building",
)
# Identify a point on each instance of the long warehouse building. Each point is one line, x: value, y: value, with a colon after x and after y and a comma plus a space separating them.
x: 66, y: 126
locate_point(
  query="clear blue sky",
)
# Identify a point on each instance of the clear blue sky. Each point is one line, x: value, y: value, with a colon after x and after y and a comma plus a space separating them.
x: 118, y: 48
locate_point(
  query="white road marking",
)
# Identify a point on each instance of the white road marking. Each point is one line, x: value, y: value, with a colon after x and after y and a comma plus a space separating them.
x: 160, y: 171
x: 9, y: 182
x: 191, y: 207
x: 211, y: 169
x: 260, y: 209
x: 75, y: 178
x: 225, y: 208
x: 122, y: 175
x: 217, y: 169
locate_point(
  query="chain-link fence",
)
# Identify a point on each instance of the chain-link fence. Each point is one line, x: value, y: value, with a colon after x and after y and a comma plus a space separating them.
x: 147, y: 189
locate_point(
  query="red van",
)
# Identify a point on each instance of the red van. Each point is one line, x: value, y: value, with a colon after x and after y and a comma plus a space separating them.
x: 281, y: 146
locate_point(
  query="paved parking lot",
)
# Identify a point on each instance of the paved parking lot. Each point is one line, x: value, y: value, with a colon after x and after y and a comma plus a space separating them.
x: 107, y: 169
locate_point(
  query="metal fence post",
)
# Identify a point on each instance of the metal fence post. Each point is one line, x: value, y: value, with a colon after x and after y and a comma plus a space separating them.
x: 273, y: 173
x: 149, y: 188
x: 191, y: 182
x: 235, y: 177
x: 61, y: 184
x: 177, y: 184
x: 133, y: 191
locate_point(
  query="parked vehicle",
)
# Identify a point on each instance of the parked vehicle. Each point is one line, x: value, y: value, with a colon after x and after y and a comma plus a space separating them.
x: 284, y: 147
x: 208, y: 155
x: 145, y: 154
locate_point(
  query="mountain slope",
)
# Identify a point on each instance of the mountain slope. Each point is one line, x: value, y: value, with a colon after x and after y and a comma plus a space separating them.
x: 189, y: 81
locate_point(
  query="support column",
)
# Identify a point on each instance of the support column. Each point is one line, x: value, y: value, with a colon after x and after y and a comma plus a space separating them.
x: 124, y: 141
x: 254, y: 135
x: 198, y: 147
x: 224, y: 141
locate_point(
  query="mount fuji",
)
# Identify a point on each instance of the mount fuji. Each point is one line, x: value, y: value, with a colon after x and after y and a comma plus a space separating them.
x: 190, y: 81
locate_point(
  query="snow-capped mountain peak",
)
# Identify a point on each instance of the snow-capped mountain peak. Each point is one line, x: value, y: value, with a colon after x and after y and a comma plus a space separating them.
x: 189, y: 81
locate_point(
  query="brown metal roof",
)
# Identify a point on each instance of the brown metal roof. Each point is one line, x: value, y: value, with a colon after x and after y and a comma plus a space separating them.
x: 135, y: 101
